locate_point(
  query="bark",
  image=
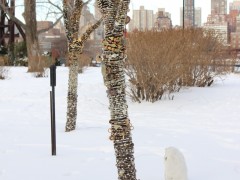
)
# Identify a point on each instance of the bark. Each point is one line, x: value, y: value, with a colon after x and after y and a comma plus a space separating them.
x: 30, y: 27
x: 71, y: 13
x: 114, y: 13
x: 34, y: 61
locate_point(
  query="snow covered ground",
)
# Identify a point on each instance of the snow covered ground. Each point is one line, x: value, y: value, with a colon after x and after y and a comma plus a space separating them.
x: 204, y: 123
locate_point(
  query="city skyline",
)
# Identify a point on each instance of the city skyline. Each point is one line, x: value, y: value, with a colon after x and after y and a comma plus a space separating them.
x: 173, y: 7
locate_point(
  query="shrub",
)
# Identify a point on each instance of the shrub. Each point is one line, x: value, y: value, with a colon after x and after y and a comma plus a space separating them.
x: 160, y: 63
x: 20, y: 50
x: 3, y: 72
x: 83, y: 62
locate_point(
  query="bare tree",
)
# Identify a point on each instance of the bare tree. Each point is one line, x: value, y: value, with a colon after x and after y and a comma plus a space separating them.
x: 72, y: 10
x: 30, y: 28
x: 113, y: 57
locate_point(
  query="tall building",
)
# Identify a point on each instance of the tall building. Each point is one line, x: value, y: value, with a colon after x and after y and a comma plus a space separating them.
x: 218, y: 19
x: 162, y: 20
x: 234, y: 11
x: 142, y: 20
x: 221, y: 29
x: 218, y: 7
x: 235, y: 5
x: 197, y: 15
x: 234, y: 23
x: 188, y: 13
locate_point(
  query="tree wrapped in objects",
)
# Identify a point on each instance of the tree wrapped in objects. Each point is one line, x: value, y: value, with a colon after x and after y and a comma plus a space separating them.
x: 114, y: 16
x: 71, y: 12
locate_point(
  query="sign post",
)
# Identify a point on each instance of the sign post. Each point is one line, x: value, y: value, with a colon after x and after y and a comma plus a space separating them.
x: 52, y: 108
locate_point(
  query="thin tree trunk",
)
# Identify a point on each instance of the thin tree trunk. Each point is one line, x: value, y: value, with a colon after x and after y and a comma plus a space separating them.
x: 72, y: 93
x: 71, y: 13
x: 113, y: 56
x: 34, y: 61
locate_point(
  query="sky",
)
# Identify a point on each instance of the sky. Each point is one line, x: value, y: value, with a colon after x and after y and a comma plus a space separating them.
x: 173, y: 7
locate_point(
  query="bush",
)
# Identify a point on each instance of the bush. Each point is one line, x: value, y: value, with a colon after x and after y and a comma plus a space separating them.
x: 20, y: 50
x: 21, y: 62
x: 44, y: 73
x: 3, y: 72
x: 161, y: 63
x: 83, y: 62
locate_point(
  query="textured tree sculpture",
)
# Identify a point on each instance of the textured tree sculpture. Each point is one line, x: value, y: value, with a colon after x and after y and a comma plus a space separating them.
x: 114, y: 13
x: 71, y: 12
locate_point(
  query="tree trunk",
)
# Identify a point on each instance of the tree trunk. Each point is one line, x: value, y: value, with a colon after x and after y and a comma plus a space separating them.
x: 114, y: 13
x: 72, y: 92
x: 34, y: 61
x: 71, y: 13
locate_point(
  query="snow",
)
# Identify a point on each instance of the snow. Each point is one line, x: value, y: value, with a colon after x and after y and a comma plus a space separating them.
x: 203, y: 123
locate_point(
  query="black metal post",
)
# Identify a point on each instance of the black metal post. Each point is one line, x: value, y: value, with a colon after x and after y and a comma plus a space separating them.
x: 52, y: 104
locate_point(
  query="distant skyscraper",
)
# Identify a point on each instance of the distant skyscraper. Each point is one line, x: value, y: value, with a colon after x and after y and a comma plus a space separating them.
x: 217, y: 20
x: 142, y: 19
x: 234, y: 23
x: 198, y: 18
x: 218, y: 7
x: 235, y: 5
x: 189, y: 13
x: 234, y: 11
x: 162, y: 20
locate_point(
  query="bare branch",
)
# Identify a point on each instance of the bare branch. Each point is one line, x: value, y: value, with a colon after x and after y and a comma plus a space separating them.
x: 56, y: 6
x: 16, y: 20
x: 86, y: 35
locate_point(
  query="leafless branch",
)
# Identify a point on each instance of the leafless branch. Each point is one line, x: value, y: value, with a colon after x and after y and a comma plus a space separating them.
x: 56, y: 6
x: 89, y: 30
x: 16, y: 20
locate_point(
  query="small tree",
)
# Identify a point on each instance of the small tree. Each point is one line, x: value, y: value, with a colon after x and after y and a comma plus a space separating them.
x: 113, y: 57
x: 30, y: 28
x: 72, y: 11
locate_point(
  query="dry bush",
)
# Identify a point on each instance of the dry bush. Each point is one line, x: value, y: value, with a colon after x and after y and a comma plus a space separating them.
x: 3, y: 72
x: 161, y: 63
x: 4, y: 60
x: 40, y: 67
x: 206, y: 57
x: 84, y: 61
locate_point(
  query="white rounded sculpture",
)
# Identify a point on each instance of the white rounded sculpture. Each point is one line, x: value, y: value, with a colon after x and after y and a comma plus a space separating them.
x: 175, y: 166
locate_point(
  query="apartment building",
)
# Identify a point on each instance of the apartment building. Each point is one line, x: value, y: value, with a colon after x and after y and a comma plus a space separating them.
x: 142, y: 20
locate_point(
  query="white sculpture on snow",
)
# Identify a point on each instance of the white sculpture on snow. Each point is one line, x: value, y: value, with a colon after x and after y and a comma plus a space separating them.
x: 175, y: 165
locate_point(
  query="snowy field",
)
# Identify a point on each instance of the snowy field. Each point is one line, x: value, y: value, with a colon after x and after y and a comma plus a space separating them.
x: 204, y: 123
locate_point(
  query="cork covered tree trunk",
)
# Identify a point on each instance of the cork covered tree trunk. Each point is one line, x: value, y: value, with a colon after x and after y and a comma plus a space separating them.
x: 71, y: 13
x: 113, y: 57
